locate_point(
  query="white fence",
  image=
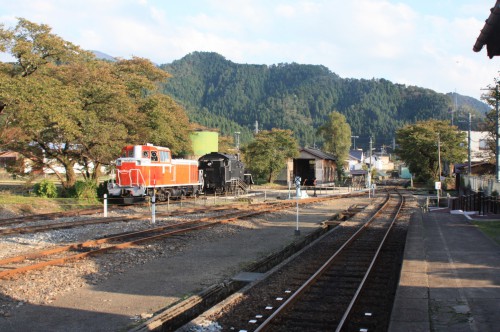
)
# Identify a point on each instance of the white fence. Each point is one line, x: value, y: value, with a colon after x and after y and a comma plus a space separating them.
x: 479, y: 183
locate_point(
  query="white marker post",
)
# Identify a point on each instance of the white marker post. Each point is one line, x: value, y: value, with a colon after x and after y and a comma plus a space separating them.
x: 437, y: 186
x: 153, y: 209
x: 297, y: 188
x: 153, y: 201
x: 105, y: 205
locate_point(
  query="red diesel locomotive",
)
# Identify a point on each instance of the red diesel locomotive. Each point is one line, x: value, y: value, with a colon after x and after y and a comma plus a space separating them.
x: 143, y: 169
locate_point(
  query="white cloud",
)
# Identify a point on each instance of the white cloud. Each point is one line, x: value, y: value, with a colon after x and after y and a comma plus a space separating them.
x: 403, y: 41
x: 286, y: 11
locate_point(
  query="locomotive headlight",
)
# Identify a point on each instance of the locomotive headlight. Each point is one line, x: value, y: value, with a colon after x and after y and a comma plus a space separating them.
x: 138, y: 162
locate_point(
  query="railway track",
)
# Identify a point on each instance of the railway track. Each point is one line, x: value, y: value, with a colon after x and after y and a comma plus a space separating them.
x: 11, y: 266
x: 326, y: 287
x: 103, y: 220
x: 4, y: 222
x: 47, y: 216
x: 15, y: 225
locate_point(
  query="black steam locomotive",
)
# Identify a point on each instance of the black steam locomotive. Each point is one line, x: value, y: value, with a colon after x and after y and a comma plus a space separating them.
x: 223, y: 173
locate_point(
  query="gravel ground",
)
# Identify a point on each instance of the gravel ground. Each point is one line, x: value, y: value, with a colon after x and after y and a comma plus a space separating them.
x: 113, y: 292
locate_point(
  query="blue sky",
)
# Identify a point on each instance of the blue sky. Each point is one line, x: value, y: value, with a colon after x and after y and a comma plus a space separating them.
x: 415, y: 42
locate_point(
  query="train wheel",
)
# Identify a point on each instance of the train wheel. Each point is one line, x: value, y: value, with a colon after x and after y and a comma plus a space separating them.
x: 161, y: 196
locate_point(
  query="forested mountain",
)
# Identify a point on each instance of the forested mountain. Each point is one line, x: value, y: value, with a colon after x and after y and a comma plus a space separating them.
x: 222, y: 94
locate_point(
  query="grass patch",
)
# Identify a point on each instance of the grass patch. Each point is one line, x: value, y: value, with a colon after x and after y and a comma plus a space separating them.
x: 19, y: 204
x: 490, y: 228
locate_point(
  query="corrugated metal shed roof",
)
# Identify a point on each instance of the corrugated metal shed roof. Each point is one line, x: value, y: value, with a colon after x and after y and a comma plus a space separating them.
x: 319, y: 154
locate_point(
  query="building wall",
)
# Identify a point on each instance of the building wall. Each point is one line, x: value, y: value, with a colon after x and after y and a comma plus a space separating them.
x: 325, y: 171
x: 204, y: 142
x: 479, y: 145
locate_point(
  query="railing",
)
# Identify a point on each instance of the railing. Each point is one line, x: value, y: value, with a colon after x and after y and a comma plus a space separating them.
x: 478, y: 202
x: 238, y: 185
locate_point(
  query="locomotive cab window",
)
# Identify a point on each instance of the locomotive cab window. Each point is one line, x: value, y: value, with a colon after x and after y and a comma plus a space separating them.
x: 145, y: 154
x: 164, y: 156
x: 154, y: 155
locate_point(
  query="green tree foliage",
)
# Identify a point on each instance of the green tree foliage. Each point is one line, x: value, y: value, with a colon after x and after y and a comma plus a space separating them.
x: 336, y: 134
x: 418, y: 147
x: 60, y: 106
x: 227, y: 145
x: 492, y: 97
x: 268, y: 153
x: 166, y: 124
x: 221, y: 94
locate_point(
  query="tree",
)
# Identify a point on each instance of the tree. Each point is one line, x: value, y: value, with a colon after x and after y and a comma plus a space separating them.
x: 491, y: 98
x: 167, y: 124
x: 226, y: 145
x: 61, y: 106
x: 336, y: 133
x: 418, y: 147
x: 268, y: 153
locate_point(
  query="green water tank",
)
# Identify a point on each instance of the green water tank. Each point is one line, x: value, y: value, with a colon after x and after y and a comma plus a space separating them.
x: 205, y: 142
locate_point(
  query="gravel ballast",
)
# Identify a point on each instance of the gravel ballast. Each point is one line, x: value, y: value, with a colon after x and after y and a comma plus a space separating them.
x: 116, y: 291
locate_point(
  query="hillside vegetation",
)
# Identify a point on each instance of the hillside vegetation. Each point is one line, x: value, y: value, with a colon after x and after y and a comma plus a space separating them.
x: 222, y: 94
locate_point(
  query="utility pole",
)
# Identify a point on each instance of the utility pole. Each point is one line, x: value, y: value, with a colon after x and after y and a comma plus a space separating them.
x: 354, y: 141
x: 439, y: 158
x: 237, y: 138
x: 370, y: 167
x: 498, y: 135
x: 469, y: 142
x: 439, y: 175
x: 455, y: 109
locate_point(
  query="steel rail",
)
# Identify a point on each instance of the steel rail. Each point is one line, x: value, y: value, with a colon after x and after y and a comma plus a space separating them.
x: 103, y: 220
x: 46, y: 216
x: 307, y: 284
x: 372, y: 264
x: 85, y: 245
x: 63, y: 225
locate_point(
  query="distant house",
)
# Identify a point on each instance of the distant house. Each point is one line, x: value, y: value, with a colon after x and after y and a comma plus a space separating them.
x: 404, y: 172
x: 479, y: 146
x: 358, y: 177
x: 383, y: 163
x: 356, y: 160
x: 314, y: 164
x: 311, y: 164
x: 8, y: 158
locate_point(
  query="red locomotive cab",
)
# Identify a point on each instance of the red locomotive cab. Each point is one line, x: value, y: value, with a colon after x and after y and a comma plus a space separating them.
x: 144, y: 169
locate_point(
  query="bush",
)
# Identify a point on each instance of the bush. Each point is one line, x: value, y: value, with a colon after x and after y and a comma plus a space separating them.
x: 45, y: 189
x: 102, y: 188
x: 85, y: 190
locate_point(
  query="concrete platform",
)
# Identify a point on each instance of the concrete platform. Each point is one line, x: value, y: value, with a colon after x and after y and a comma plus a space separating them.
x: 450, y: 279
